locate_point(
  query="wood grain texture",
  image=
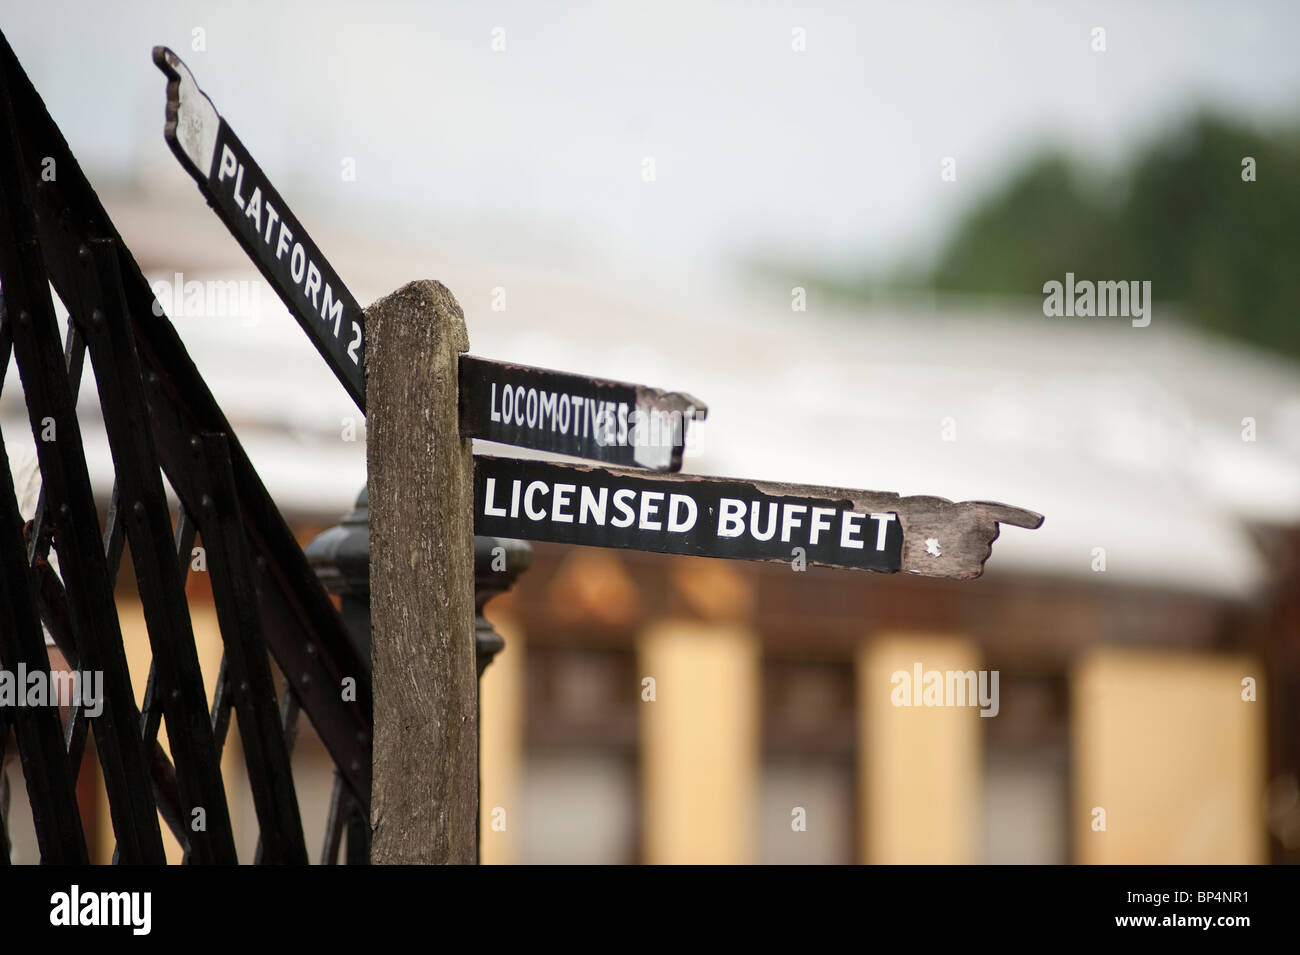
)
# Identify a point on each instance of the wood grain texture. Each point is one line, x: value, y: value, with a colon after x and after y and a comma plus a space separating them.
x: 424, y: 801
x: 964, y: 530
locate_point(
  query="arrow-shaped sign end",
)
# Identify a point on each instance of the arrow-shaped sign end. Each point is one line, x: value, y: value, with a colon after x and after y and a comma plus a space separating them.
x: 192, y: 121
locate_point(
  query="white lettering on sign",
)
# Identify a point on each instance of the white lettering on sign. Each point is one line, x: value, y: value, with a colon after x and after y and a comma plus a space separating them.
x: 608, y: 423
x: 678, y: 513
x: 593, y: 505
x: 561, y: 500
x: 306, y: 274
x: 848, y: 528
x: 605, y: 422
x: 596, y: 418
x: 882, y: 528
x: 679, y: 522
x: 696, y: 515
x: 821, y: 521
x: 731, y: 517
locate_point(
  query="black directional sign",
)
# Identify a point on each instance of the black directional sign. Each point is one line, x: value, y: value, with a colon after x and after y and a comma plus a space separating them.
x: 736, y: 519
x: 706, y: 517
x: 608, y: 421
x: 263, y: 223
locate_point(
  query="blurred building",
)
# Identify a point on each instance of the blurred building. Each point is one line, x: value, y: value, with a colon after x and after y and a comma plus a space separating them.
x: 663, y: 709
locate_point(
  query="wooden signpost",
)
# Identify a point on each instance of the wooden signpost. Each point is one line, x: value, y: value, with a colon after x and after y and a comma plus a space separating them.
x: 424, y: 513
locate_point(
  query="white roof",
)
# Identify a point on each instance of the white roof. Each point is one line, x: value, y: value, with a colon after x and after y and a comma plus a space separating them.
x: 1127, y: 439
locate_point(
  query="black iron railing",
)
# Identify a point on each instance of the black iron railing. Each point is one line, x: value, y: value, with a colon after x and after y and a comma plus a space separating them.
x: 164, y: 428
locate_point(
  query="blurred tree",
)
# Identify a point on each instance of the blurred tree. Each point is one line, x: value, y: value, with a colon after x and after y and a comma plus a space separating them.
x: 1225, y: 250
x: 1044, y: 222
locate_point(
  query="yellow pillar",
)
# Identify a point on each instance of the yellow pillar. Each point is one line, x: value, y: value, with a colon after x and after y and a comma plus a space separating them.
x: 919, y: 766
x: 1169, y: 761
x: 699, y: 686
x: 501, y: 747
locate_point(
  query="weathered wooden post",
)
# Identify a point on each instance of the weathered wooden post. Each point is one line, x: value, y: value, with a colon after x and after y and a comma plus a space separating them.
x: 424, y: 799
x: 341, y: 558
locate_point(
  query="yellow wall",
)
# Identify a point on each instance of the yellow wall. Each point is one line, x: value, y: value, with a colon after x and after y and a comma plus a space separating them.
x: 919, y: 767
x: 699, y: 743
x: 1166, y: 746
x: 1162, y: 741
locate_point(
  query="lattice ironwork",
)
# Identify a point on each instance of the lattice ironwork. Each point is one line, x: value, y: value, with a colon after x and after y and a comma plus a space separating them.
x: 162, y: 425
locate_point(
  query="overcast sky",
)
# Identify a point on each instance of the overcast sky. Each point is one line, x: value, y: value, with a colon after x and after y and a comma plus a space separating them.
x: 829, y: 154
